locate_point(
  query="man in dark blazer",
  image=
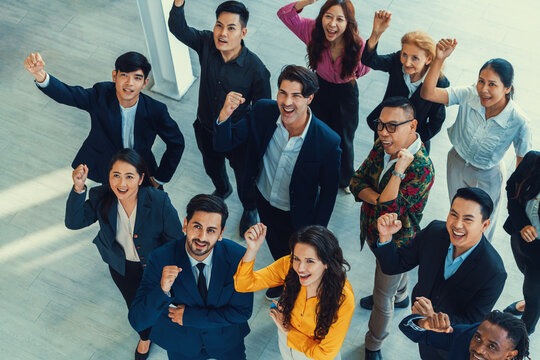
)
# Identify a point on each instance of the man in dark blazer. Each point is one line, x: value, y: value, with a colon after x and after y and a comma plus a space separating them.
x: 187, y: 292
x: 292, y: 157
x: 121, y: 117
x: 459, y: 272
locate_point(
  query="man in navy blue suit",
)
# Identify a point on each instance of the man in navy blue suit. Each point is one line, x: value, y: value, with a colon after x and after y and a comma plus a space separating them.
x: 187, y: 292
x: 121, y: 117
x: 292, y: 157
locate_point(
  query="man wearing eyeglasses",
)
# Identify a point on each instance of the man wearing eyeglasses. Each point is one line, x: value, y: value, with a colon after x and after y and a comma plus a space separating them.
x: 395, y: 178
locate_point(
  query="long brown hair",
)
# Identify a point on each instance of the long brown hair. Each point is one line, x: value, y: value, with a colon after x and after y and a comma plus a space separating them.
x: 330, y: 291
x: 353, y: 42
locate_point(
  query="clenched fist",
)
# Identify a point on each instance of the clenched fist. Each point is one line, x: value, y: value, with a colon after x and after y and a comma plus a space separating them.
x: 232, y: 102
x: 169, y: 274
x: 34, y: 64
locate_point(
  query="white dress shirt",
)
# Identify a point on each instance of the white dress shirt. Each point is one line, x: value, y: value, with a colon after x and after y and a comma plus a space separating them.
x: 483, y: 143
x: 207, y: 271
x: 412, y: 86
x: 124, y: 232
x: 278, y: 164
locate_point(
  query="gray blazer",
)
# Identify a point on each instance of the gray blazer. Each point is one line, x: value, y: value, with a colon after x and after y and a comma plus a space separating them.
x: 157, y: 222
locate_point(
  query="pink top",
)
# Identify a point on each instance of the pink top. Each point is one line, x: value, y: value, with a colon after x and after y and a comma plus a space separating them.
x: 326, y: 68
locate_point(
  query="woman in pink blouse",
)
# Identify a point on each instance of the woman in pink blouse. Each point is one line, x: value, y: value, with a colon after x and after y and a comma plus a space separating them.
x: 334, y: 50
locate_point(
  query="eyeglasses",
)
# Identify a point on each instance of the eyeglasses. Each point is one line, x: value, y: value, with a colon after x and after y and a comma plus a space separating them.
x: 390, y: 127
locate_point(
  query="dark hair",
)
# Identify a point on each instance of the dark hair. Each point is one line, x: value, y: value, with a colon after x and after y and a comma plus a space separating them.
x: 516, y: 331
x: 399, y: 102
x: 131, y: 157
x: 132, y: 61
x: 529, y: 187
x: 479, y: 196
x: 330, y: 291
x: 300, y: 74
x: 505, y: 70
x: 235, y: 7
x: 208, y: 204
x: 353, y: 42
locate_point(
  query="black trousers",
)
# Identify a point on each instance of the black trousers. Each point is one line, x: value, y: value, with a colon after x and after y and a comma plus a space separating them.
x: 527, y: 257
x: 279, y: 227
x: 337, y: 105
x: 214, y: 165
x: 128, y: 285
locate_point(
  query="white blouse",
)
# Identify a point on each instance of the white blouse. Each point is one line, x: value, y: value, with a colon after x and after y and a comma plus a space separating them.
x: 124, y: 232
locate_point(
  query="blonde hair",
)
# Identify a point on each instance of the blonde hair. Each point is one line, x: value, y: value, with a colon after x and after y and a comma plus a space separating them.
x: 423, y: 41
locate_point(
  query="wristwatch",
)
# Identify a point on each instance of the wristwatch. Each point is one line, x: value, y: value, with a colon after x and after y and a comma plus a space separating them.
x: 401, y: 176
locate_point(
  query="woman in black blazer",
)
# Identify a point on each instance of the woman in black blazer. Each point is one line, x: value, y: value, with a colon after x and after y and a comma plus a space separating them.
x: 406, y: 69
x: 134, y: 219
x: 523, y: 190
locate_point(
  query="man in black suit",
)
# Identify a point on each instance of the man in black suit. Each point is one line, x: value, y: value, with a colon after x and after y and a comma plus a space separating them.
x: 459, y: 272
x: 121, y: 117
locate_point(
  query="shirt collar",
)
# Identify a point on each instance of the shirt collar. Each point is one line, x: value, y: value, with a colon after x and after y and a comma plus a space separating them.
x: 407, y: 78
x: 241, y: 59
x: 302, y: 136
x: 131, y: 108
x: 194, y: 262
x: 461, y: 257
x: 413, y: 148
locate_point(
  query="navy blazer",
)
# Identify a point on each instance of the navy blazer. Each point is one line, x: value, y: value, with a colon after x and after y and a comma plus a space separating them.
x: 469, y: 294
x: 219, y: 325
x: 456, y: 343
x: 105, y: 137
x: 517, y: 217
x: 314, y: 181
x: 430, y: 115
x: 156, y: 223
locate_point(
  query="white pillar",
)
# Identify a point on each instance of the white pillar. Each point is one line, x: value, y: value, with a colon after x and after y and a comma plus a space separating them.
x: 171, y: 65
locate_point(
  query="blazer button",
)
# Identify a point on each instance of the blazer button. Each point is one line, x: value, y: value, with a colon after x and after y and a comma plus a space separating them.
x: 143, y: 265
x: 138, y: 247
x: 135, y: 236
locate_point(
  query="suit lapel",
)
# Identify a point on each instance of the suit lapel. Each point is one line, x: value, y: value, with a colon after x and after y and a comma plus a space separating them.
x: 140, y: 115
x: 144, y: 207
x: 115, y: 119
x: 307, y: 148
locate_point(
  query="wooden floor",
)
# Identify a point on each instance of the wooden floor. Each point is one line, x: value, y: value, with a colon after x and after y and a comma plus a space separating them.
x: 58, y: 301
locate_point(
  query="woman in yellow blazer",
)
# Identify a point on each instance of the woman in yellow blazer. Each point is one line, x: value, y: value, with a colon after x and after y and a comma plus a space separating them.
x: 315, y: 310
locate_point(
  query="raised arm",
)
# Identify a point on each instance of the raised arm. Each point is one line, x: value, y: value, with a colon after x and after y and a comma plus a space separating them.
x: 34, y: 64
x: 228, y: 136
x: 430, y: 91
x: 381, y: 21
x: 300, y: 26
x: 171, y: 135
x: 179, y: 28
x: 79, y: 213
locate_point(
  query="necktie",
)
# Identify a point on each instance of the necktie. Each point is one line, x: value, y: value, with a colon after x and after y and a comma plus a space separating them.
x: 201, y: 284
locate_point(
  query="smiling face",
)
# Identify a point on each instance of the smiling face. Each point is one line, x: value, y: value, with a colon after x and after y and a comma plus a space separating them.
x: 490, y: 342
x: 124, y: 180
x: 334, y: 23
x: 405, y: 134
x: 202, y: 231
x: 415, y: 61
x: 128, y: 86
x: 228, y: 33
x: 308, y: 266
x: 293, y: 106
x: 491, y: 90
x: 465, y: 225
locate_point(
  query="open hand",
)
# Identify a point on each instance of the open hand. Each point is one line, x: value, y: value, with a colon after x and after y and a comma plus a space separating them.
x: 278, y: 317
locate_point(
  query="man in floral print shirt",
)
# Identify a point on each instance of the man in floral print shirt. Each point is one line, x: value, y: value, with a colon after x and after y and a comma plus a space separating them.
x: 395, y: 178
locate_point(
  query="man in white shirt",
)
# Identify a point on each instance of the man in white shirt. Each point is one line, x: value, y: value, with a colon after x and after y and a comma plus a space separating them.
x: 293, y: 158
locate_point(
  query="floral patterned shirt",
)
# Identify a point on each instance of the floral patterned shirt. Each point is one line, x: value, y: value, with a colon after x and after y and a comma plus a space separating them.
x: 411, y: 199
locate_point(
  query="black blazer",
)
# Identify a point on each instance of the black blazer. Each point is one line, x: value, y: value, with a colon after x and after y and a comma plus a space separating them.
x: 469, y: 294
x: 156, y: 223
x: 430, y: 115
x: 314, y: 181
x: 220, y: 324
x: 517, y: 217
x: 105, y: 137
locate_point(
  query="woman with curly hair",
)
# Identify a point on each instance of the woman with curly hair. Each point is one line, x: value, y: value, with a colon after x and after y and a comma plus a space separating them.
x: 407, y: 69
x: 315, y: 310
x: 334, y: 50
